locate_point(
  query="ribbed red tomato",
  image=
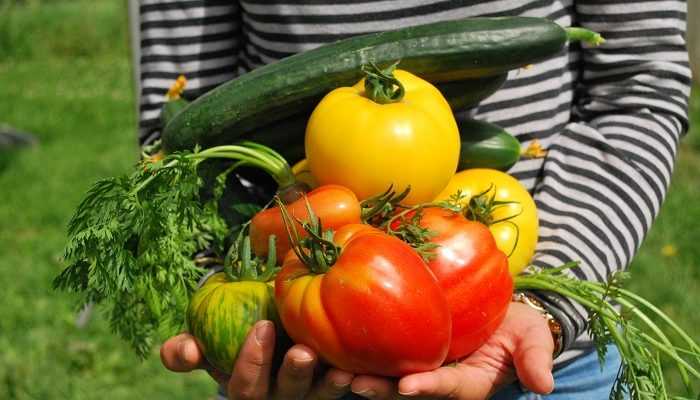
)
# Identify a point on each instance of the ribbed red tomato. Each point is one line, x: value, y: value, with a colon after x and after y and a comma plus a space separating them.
x: 377, y: 310
x: 473, y: 274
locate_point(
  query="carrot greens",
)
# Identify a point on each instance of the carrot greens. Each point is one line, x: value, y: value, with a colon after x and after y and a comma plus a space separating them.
x: 632, y: 329
x: 132, y: 240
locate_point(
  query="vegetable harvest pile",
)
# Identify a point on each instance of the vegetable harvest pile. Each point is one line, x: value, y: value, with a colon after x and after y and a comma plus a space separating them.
x: 394, y: 245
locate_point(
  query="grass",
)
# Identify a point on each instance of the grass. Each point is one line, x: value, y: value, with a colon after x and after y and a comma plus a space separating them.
x: 72, y: 88
x: 66, y: 78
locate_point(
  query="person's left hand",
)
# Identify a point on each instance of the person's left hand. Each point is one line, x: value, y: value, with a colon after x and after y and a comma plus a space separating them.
x: 521, y: 348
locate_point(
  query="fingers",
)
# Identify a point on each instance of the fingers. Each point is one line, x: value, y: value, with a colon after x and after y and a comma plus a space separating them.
x: 374, y: 387
x: 452, y: 382
x: 296, y: 373
x: 335, y: 384
x: 181, y: 353
x: 251, y: 373
x: 532, y: 358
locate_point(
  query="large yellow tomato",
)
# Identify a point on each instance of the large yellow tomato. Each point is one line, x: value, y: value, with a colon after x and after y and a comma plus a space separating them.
x: 366, y: 146
x: 516, y: 233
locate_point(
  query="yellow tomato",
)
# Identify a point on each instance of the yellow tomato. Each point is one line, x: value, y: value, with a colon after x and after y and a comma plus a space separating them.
x: 516, y: 233
x: 356, y: 142
x: 302, y: 173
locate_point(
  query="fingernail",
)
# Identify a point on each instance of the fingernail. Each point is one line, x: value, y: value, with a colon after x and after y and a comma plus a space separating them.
x: 368, y: 393
x: 341, y: 385
x: 301, y: 362
x: 262, y: 331
x: 187, y: 352
x: 407, y: 391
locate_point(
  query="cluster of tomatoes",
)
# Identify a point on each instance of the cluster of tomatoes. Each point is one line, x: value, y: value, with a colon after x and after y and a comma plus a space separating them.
x: 393, y: 284
x: 380, y: 305
x: 422, y: 286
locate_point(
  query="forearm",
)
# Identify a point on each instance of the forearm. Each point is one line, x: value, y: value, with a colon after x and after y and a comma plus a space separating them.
x: 606, y: 174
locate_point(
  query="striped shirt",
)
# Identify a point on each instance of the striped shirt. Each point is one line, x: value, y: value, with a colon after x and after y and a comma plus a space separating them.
x: 610, y: 117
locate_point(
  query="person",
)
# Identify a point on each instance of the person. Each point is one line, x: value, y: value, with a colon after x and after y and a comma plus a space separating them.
x: 610, y: 119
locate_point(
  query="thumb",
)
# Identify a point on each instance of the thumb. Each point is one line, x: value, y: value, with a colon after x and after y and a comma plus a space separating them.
x: 532, y: 358
x: 250, y: 378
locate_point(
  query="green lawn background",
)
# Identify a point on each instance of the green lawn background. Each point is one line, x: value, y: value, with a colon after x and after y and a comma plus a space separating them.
x: 65, y: 76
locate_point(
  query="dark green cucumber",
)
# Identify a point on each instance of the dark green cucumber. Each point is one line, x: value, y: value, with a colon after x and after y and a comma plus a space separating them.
x: 287, y: 136
x: 486, y: 145
x: 171, y: 108
x: 440, y: 52
x: 469, y: 92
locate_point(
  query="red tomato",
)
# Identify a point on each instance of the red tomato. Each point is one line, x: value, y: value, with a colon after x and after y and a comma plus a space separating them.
x: 335, y: 205
x: 378, y: 310
x: 473, y: 274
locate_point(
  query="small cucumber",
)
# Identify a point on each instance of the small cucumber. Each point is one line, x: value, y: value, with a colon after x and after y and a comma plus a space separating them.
x: 485, y: 145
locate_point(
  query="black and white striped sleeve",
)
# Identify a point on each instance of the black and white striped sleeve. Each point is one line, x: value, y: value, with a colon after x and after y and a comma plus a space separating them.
x: 606, y: 174
x: 197, y: 38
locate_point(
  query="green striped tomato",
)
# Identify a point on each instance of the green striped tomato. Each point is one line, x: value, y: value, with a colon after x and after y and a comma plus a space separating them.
x: 221, y: 313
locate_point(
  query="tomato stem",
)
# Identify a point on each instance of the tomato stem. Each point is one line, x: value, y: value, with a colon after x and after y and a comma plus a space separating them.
x: 241, y: 265
x: 376, y: 210
x: 410, y: 230
x: 481, y: 208
x: 381, y: 86
x: 317, y: 251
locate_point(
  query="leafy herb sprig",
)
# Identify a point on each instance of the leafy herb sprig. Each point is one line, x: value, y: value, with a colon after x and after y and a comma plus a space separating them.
x: 132, y: 239
x: 641, y: 342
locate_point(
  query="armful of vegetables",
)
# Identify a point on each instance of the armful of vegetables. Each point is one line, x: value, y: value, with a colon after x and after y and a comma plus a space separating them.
x: 133, y: 240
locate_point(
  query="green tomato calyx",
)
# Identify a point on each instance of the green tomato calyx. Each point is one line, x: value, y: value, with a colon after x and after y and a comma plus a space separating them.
x: 241, y: 265
x: 317, y: 251
x: 381, y: 86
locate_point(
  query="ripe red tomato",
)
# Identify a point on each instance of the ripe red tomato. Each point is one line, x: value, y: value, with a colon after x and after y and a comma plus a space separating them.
x: 378, y: 310
x: 516, y: 234
x: 335, y: 205
x: 473, y: 274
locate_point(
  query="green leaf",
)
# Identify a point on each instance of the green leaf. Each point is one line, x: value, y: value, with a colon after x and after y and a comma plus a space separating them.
x: 130, y: 247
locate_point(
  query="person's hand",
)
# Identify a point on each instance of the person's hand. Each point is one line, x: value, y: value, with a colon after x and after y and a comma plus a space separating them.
x: 251, y: 377
x: 521, y: 347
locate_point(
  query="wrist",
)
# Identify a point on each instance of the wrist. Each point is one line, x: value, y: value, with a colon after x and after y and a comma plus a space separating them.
x: 553, y: 324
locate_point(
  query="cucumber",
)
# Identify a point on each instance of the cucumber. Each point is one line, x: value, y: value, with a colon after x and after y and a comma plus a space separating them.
x: 439, y: 52
x: 486, y: 145
x: 287, y: 136
x: 469, y: 92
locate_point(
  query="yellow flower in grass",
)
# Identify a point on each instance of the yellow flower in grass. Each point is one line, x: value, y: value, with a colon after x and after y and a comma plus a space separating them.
x: 669, y: 250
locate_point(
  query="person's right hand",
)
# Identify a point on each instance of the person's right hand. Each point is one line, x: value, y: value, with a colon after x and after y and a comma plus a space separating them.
x: 251, y: 373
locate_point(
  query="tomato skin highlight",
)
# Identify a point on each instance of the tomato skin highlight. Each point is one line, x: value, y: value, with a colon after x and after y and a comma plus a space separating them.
x: 519, y: 244
x: 473, y: 274
x: 378, y: 310
x: 335, y: 205
x: 366, y: 146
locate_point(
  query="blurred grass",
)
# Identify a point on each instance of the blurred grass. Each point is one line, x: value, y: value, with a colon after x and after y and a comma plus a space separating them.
x: 667, y: 268
x: 66, y: 78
